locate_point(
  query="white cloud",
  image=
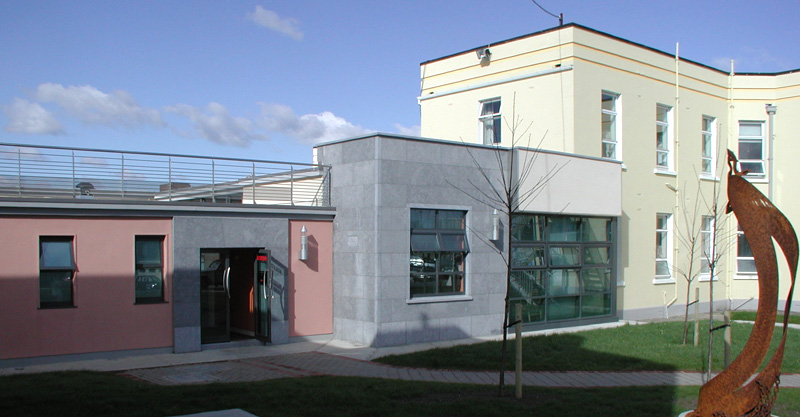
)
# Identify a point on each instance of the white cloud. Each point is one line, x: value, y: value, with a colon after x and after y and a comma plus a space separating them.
x: 407, y: 130
x: 215, y: 123
x: 308, y: 128
x: 31, y: 118
x: 93, y: 106
x: 271, y: 20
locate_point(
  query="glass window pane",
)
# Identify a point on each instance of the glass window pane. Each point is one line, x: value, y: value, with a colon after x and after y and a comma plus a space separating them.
x: 149, y: 284
x: 527, y: 227
x: 744, y: 250
x: 56, y: 253
x: 423, y: 219
x: 55, y: 288
x: 526, y: 257
x: 564, y: 229
x: 609, y: 128
x: 596, y: 229
x: 450, y: 283
x: 596, y: 255
x: 747, y: 266
x: 564, y: 256
x: 454, y: 243
x: 532, y: 310
x: 422, y: 284
x: 750, y: 129
x: 752, y: 167
x: 424, y: 243
x: 661, y: 138
x: 562, y: 308
x: 662, y: 269
x: 750, y: 150
x: 662, y: 114
x: 563, y: 282
x: 148, y: 251
x: 527, y: 284
x: 608, y: 102
x: 450, y: 220
x: 596, y: 279
x: 596, y: 305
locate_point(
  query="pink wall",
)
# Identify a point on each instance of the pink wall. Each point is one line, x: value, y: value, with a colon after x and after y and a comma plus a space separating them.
x: 311, y: 281
x: 105, y: 317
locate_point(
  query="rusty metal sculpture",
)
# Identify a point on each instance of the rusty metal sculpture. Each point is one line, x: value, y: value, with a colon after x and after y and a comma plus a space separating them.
x: 727, y: 394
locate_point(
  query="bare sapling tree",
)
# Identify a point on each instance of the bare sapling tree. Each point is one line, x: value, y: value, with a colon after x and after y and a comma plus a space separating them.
x: 691, y: 237
x: 507, y: 187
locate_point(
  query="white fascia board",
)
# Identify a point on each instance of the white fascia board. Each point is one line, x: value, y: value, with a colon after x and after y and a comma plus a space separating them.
x: 498, y: 81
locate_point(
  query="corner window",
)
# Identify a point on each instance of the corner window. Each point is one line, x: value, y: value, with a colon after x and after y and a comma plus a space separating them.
x: 56, y: 271
x: 709, y: 146
x: 663, y: 247
x: 562, y: 267
x: 491, y: 122
x: 609, y: 126
x: 438, y: 252
x: 751, y: 148
x: 663, y: 138
x: 149, y: 276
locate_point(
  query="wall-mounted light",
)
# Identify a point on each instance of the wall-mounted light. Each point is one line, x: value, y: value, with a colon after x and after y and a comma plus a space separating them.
x: 495, y: 225
x: 483, y: 53
x: 303, y: 254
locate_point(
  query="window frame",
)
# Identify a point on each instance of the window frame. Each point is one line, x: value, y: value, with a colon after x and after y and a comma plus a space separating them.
x: 760, y: 139
x: 149, y: 266
x: 708, y: 155
x: 68, y: 272
x: 442, y: 239
x: 668, y: 242
x: 668, y: 141
x: 615, y: 116
x: 494, y: 118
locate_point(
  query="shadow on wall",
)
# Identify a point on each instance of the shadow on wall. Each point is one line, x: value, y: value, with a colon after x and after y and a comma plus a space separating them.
x: 423, y: 330
x: 313, y: 254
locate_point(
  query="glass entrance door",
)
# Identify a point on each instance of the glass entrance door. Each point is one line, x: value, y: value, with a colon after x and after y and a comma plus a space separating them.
x: 262, y: 295
x: 215, y: 272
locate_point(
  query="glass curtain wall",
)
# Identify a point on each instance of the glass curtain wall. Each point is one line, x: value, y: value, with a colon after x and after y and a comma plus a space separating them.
x: 562, y: 267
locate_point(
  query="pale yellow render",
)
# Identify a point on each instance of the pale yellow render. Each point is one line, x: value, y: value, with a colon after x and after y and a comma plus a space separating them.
x: 555, y: 81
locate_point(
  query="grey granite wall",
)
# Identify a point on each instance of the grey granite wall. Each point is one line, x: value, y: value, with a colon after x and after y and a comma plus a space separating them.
x: 190, y: 234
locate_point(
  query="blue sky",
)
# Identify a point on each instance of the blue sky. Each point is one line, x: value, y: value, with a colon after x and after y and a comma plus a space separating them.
x: 269, y: 79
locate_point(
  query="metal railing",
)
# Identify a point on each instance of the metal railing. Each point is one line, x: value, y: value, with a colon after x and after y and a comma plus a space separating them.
x: 59, y: 172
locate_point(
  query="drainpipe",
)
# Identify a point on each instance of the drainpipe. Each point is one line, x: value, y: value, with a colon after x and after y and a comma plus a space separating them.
x: 771, y: 110
x: 675, y: 160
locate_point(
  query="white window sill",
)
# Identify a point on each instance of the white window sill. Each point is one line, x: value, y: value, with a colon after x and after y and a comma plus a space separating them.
x: 706, y: 278
x: 706, y: 177
x: 663, y: 171
x: 757, y: 179
x: 746, y: 277
x: 438, y: 299
x: 620, y: 284
x: 659, y: 281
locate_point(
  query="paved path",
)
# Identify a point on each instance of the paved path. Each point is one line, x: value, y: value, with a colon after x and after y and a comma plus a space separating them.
x: 316, y: 363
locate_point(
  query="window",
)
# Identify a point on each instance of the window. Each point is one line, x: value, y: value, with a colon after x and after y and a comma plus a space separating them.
x: 562, y: 267
x: 663, y: 137
x: 751, y: 148
x: 610, y: 126
x: 149, y: 276
x: 491, y: 122
x: 56, y: 270
x: 708, y: 251
x: 745, y: 263
x: 709, y: 145
x: 663, y: 247
x: 438, y: 252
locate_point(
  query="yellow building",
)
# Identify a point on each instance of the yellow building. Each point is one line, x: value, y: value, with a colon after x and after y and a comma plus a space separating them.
x: 667, y: 119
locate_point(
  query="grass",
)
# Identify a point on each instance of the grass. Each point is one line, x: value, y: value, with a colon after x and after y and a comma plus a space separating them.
x: 654, y: 346
x: 71, y: 394
x: 751, y: 315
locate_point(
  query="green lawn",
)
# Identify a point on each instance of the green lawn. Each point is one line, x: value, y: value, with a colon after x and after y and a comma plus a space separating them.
x: 70, y: 394
x: 751, y: 315
x: 654, y: 346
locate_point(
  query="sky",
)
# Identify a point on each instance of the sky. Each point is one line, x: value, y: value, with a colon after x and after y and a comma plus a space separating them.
x: 268, y: 80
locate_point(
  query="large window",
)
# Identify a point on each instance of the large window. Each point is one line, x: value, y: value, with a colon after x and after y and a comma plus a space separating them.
x: 709, y: 145
x: 56, y: 271
x: 663, y: 247
x: 745, y: 263
x: 663, y: 137
x: 610, y: 125
x: 751, y: 148
x: 562, y: 267
x: 438, y: 252
x: 491, y: 122
x: 149, y: 280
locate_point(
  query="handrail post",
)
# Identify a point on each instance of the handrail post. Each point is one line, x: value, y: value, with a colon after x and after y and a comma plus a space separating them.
x: 73, y: 174
x: 291, y: 184
x: 213, y: 181
x: 169, y: 177
x: 122, y: 175
x: 254, y: 182
x: 19, y: 171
